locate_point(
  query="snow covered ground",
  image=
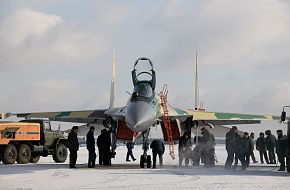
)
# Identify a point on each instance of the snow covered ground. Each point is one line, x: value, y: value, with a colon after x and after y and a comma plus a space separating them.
x: 127, y: 175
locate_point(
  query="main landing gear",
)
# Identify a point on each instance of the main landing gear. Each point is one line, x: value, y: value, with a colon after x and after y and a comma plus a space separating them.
x: 145, y: 159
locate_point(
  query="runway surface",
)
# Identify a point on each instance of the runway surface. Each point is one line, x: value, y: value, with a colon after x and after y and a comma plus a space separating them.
x: 127, y: 175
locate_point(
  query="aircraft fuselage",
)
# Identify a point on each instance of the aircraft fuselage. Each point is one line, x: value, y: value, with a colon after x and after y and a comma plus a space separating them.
x: 142, y: 110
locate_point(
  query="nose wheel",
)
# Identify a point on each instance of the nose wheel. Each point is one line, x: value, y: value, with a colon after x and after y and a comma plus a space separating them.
x: 145, y: 160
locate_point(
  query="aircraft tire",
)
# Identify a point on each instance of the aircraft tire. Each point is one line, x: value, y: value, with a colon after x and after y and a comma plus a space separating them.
x: 24, y: 154
x: 60, y: 154
x: 142, y: 161
x: 9, y: 154
x: 148, y: 161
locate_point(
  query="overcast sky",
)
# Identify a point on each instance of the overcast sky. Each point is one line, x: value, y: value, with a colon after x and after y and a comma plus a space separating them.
x: 57, y: 55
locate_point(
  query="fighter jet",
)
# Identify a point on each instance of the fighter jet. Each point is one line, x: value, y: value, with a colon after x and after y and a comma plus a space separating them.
x: 144, y: 109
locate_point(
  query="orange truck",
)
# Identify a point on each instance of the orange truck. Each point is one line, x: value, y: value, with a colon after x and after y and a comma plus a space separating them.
x: 27, y: 140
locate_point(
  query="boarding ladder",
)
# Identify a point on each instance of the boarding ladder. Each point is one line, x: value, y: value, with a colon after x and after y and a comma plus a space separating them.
x: 166, y: 120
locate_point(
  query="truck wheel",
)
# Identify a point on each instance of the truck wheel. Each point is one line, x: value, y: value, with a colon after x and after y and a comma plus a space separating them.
x: 9, y: 154
x: 60, y: 154
x: 34, y: 158
x: 24, y: 154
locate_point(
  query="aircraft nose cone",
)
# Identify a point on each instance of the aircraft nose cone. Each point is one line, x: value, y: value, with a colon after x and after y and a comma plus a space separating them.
x: 139, y: 116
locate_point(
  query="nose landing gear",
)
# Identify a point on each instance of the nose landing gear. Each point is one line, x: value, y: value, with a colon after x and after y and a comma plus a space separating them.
x: 145, y: 159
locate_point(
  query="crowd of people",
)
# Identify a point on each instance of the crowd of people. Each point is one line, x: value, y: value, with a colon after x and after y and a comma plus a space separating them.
x: 103, y: 144
x: 238, y: 147
x: 203, y: 152
x: 242, y: 148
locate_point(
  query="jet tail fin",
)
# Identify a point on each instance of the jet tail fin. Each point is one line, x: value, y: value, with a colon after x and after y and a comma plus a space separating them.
x: 112, y: 93
x: 196, y: 87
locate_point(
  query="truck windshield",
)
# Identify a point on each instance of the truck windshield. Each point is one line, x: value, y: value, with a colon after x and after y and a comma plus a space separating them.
x: 47, y: 126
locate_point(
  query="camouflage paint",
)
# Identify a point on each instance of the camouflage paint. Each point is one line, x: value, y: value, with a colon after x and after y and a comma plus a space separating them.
x: 240, y: 116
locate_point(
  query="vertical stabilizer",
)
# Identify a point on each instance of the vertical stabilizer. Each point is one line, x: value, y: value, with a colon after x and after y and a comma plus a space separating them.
x: 196, y: 86
x: 112, y: 93
x: 196, y: 92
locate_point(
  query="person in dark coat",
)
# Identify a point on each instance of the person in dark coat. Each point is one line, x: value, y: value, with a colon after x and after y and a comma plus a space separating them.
x: 271, y: 144
x: 243, y: 150
x: 107, y: 147
x: 73, y: 146
x: 91, y: 147
x: 184, y: 149
x: 100, y: 146
x: 252, y: 147
x: 281, y: 149
x: 237, y: 150
x: 197, y: 153
x: 231, y: 146
x: 158, y: 148
x: 209, y: 148
x: 104, y: 145
x: 261, y: 147
x: 130, y: 146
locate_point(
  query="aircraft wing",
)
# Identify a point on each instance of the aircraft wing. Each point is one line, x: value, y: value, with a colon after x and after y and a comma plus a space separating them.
x: 87, y: 116
x: 83, y: 129
x: 219, y: 118
x: 219, y: 131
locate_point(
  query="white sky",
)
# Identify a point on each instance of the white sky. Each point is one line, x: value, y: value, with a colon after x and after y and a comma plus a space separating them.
x: 57, y: 55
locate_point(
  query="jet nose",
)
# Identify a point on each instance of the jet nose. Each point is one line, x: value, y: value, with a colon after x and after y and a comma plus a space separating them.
x: 139, y: 116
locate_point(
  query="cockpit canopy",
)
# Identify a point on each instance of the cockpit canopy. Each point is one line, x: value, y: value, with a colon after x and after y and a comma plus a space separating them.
x: 143, y: 90
x: 143, y: 72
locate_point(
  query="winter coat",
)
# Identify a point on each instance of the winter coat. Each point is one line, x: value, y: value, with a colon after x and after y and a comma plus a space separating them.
x: 104, y: 141
x: 270, y: 142
x: 90, y: 140
x: 261, y: 144
x: 184, y: 144
x: 252, y: 145
x: 243, y: 145
x: 73, y: 142
x: 231, y: 141
x: 281, y: 145
x: 208, y: 139
x: 157, y: 146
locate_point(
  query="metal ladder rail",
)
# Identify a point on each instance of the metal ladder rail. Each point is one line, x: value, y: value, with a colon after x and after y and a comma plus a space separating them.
x: 166, y: 120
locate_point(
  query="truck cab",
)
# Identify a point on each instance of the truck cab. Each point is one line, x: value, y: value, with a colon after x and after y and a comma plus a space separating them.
x: 47, y: 135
